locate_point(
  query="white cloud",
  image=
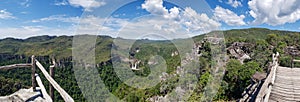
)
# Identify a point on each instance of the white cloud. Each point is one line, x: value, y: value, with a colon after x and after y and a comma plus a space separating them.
x: 61, y: 18
x: 173, y: 22
x: 87, y: 4
x: 15, y: 32
x: 88, y: 24
x: 199, y: 22
x: 33, y: 28
x: 174, y: 13
x: 189, y: 18
x: 234, y: 3
x: 274, y: 12
x: 26, y: 3
x: 6, y: 15
x: 29, y: 31
x: 153, y: 24
x: 61, y: 3
x: 24, y: 12
x: 155, y: 7
x: 229, y: 17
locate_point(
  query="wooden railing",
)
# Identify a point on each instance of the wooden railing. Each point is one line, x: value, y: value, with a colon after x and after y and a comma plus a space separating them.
x: 60, y: 90
x: 14, y: 66
x: 293, y: 62
x: 43, y: 90
x: 35, y: 79
x: 265, y: 90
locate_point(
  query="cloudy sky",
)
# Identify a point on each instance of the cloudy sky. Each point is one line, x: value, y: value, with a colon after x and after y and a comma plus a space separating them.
x: 130, y: 18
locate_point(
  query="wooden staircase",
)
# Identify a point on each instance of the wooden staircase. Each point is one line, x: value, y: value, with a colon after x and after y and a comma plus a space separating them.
x: 286, y: 87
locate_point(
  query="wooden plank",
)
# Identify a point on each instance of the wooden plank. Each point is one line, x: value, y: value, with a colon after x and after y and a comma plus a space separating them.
x: 60, y: 90
x: 14, y: 66
x: 44, y: 92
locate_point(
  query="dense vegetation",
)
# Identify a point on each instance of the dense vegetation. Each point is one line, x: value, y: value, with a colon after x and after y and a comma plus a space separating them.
x: 236, y: 79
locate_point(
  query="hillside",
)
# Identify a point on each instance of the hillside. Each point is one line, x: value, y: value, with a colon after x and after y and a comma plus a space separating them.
x: 61, y: 46
x: 256, y: 43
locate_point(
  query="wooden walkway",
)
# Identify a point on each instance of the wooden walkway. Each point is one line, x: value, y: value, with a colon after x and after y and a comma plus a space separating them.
x: 286, y: 87
x: 282, y: 84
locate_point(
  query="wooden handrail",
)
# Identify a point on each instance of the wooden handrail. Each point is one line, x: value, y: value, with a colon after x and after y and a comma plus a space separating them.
x: 14, y: 66
x: 43, y: 90
x: 32, y: 65
x: 265, y: 90
x: 60, y: 90
x: 296, y: 60
x: 36, y: 79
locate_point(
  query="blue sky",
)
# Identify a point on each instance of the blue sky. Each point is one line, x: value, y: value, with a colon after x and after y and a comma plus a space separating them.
x: 131, y: 19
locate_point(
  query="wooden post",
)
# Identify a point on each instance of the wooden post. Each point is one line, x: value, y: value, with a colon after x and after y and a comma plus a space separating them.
x: 33, y: 81
x: 292, y: 61
x: 51, y: 89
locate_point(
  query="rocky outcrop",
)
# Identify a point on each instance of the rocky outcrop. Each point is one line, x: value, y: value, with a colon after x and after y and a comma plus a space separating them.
x: 24, y: 95
x: 175, y: 53
x: 198, y: 47
x: 240, y: 51
x: 213, y: 40
x: 292, y: 50
x: 134, y: 64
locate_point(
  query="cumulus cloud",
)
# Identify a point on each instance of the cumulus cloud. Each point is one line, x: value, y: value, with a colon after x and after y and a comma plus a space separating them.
x: 234, y: 3
x: 229, y: 17
x: 88, y: 5
x: 189, y: 18
x: 198, y: 22
x: 155, y: 7
x: 173, y: 22
x: 274, y: 12
x: 6, y: 15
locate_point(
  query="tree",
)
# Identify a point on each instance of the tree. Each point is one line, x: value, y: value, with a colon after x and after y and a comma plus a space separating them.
x: 272, y: 39
x: 238, y: 76
x: 285, y: 61
x: 261, y: 53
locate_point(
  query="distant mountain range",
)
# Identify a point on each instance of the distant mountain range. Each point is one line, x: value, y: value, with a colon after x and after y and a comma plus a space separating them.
x: 61, y: 46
